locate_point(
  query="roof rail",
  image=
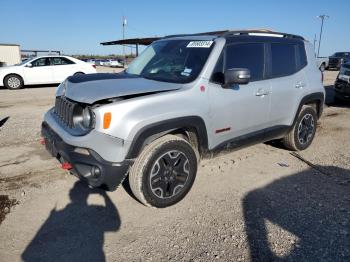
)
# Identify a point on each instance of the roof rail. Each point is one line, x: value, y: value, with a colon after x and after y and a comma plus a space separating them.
x: 262, y: 31
x: 215, y: 33
x: 225, y: 33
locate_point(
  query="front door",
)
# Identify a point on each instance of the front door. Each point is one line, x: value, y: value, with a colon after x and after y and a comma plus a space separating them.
x: 40, y: 72
x: 241, y: 110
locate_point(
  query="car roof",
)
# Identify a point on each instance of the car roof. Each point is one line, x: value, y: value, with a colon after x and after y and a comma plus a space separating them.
x: 241, y: 35
x: 42, y: 56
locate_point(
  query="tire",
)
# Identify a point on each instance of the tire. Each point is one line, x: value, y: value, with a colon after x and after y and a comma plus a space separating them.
x: 13, y: 82
x: 337, y: 100
x: 303, y: 131
x: 164, y: 172
x: 322, y: 67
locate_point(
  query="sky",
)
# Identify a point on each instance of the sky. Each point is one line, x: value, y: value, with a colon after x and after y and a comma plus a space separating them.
x: 78, y: 26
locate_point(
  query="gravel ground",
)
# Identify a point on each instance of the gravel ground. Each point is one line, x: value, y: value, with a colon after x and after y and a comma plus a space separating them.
x: 257, y: 204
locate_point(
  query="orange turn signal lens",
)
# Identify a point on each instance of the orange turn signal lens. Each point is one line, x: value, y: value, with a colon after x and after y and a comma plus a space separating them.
x: 107, y: 118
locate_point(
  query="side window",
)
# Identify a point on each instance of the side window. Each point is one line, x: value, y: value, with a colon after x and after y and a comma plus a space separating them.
x: 44, y: 61
x: 283, y: 59
x: 247, y: 55
x: 61, y: 61
x: 301, y: 56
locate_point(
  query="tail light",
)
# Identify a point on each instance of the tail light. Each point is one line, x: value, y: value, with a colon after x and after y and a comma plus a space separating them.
x: 94, y: 66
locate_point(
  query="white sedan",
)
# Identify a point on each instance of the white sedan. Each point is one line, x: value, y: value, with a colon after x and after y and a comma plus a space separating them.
x: 43, y: 70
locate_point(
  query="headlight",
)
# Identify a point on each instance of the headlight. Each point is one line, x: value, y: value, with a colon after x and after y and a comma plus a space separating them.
x: 87, y: 120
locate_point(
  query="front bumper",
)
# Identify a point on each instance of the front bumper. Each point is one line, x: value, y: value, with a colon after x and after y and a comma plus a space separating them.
x: 89, y: 165
x: 342, y: 89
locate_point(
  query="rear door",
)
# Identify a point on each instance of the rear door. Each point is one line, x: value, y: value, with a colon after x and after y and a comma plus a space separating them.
x: 62, y: 68
x: 241, y: 109
x: 288, y: 82
x: 40, y: 72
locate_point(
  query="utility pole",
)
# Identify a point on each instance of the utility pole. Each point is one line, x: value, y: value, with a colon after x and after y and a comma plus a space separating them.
x: 315, y: 40
x: 124, y: 24
x: 322, y: 17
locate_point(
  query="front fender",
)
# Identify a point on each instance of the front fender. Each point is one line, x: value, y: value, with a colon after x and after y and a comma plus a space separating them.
x: 193, y: 122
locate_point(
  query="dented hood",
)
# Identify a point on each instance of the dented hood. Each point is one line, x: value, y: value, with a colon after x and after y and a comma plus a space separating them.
x: 94, y: 87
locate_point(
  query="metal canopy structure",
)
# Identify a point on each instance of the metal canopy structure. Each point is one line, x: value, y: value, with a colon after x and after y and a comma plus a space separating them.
x: 133, y: 41
x: 40, y: 51
x: 224, y: 33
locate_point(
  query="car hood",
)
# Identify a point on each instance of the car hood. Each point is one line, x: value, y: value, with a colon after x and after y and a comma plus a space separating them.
x: 91, y: 88
x: 9, y: 68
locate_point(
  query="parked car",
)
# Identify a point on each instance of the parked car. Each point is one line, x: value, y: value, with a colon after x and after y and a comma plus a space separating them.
x: 342, y: 83
x: 106, y: 62
x: 99, y: 62
x: 337, y: 59
x: 184, y: 98
x: 115, y: 63
x: 43, y: 70
x: 322, y: 63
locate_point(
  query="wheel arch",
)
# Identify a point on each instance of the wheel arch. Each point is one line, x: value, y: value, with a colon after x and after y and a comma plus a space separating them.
x: 10, y: 74
x: 193, y: 127
x: 314, y: 99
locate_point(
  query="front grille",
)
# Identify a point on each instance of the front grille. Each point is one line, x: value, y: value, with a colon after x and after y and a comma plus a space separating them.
x: 64, y: 110
x: 333, y: 61
x: 347, y: 66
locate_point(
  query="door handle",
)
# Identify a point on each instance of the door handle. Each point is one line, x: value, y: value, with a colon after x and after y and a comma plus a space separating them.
x: 299, y: 85
x: 262, y: 92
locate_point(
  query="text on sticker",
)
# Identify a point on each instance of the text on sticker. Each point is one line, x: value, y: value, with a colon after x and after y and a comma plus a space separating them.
x: 202, y: 44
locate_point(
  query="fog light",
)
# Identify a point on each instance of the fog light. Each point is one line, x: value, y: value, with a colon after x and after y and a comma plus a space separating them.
x: 95, y: 172
x: 82, y: 151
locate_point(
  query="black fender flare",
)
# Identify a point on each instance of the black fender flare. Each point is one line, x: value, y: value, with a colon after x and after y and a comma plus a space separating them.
x: 313, y: 97
x: 166, y: 126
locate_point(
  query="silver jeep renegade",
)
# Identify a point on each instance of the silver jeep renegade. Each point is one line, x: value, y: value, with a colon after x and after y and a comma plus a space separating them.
x: 185, y: 97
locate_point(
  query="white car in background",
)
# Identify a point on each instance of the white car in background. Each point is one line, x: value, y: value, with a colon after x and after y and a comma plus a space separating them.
x: 43, y: 70
x: 115, y: 63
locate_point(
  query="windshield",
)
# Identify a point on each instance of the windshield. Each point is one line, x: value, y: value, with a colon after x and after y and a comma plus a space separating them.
x: 24, y: 61
x: 342, y: 54
x: 175, y: 61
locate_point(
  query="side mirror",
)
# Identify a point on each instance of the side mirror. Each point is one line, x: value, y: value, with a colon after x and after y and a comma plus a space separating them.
x: 29, y: 65
x: 239, y: 76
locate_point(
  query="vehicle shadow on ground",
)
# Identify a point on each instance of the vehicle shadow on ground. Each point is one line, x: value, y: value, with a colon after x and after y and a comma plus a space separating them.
x: 330, y: 98
x: 75, y: 233
x: 312, y: 206
x: 3, y: 121
x: 34, y: 86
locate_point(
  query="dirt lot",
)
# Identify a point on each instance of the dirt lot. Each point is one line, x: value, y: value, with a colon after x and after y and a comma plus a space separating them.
x: 259, y: 203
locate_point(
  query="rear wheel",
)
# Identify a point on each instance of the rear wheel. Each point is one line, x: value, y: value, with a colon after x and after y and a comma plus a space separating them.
x: 164, y: 172
x: 13, y: 82
x: 322, y: 67
x: 303, y: 131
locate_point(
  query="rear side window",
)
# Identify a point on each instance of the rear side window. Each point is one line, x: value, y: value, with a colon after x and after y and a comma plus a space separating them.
x: 247, y: 55
x: 61, y: 61
x: 283, y: 59
x: 287, y: 59
x: 301, y: 56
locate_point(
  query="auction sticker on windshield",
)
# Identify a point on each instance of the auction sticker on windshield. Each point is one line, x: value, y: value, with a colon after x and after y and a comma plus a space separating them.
x: 201, y: 44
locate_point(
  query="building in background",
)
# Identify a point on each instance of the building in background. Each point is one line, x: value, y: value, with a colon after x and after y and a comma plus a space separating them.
x: 10, y: 54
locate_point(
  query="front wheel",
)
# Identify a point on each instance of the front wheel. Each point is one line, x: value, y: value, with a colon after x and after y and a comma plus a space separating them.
x: 13, y: 82
x: 303, y: 131
x: 164, y: 172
